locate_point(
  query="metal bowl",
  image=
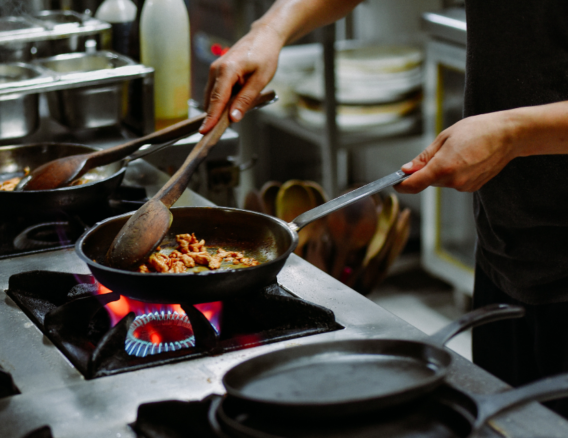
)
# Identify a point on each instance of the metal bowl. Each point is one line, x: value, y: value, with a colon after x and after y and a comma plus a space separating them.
x: 19, y: 113
x: 87, y: 106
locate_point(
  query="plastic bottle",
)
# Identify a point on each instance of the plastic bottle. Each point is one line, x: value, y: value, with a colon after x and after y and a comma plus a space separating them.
x: 120, y: 14
x: 164, y: 45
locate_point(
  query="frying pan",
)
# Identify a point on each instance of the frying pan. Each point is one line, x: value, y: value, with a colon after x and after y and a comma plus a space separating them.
x: 103, y: 180
x: 333, y: 379
x: 445, y: 413
x: 266, y: 238
x: 14, y: 159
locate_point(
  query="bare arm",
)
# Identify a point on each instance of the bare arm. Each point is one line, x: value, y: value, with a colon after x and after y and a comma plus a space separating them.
x: 471, y: 152
x: 252, y: 61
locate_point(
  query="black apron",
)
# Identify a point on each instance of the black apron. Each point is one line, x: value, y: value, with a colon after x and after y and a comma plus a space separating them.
x: 517, y: 55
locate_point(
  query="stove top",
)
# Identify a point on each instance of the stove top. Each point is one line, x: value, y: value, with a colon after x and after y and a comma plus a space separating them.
x: 103, y: 334
x: 50, y: 395
x: 27, y: 234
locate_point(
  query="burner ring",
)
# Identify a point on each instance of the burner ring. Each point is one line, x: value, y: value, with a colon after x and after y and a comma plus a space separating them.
x: 159, y: 332
x: 43, y: 235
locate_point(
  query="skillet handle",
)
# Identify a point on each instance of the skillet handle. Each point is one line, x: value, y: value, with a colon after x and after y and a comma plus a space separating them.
x: 542, y: 390
x: 491, y: 313
x: 347, y: 199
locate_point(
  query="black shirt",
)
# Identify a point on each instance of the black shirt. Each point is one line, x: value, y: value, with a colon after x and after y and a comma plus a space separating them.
x: 517, y: 55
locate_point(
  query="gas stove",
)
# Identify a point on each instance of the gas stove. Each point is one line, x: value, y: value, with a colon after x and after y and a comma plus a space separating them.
x: 69, y: 367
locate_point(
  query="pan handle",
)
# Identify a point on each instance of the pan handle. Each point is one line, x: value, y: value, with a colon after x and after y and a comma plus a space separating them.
x: 150, y: 149
x: 347, y: 199
x: 169, y: 135
x: 489, y: 405
x: 483, y: 315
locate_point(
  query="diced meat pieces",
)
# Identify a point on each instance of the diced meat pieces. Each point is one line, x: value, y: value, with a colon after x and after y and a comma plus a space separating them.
x: 159, y: 262
x: 215, y: 262
x: 9, y: 185
x: 187, y: 261
x: 190, y: 253
x: 177, y: 267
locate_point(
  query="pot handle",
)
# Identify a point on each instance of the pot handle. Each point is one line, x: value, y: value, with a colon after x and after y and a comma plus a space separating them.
x: 347, y: 199
x: 483, y: 315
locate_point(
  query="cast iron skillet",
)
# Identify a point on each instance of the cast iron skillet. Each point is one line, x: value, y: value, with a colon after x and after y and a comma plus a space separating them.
x: 333, y: 379
x: 102, y: 181
x: 266, y: 238
x: 13, y: 160
x: 445, y: 413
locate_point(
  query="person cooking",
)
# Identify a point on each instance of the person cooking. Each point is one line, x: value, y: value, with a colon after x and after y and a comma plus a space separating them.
x: 510, y: 150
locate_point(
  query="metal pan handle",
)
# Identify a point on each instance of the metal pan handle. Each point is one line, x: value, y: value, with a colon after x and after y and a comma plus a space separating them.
x: 347, y: 199
x: 491, y: 313
x: 490, y: 405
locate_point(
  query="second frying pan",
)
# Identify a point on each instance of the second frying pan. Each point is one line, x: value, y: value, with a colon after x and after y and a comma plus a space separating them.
x: 446, y: 413
x: 348, y: 377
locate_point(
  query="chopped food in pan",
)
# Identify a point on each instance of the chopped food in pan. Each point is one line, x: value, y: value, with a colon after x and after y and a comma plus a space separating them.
x: 10, y: 184
x: 191, y: 255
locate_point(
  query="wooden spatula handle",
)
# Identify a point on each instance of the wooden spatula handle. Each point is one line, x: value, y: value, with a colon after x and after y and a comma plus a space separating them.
x: 173, y: 189
x: 110, y: 155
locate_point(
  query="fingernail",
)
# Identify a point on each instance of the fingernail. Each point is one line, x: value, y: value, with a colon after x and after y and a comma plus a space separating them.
x: 236, y: 115
x: 201, y: 127
x: 407, y: 166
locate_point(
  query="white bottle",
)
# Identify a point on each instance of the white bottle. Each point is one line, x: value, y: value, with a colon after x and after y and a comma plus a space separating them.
x: 120, y: 14
x: 164, y: 45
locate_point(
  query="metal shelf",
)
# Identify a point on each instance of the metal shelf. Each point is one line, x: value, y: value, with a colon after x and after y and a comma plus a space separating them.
x: 333, y: 143
x: 346, y: 140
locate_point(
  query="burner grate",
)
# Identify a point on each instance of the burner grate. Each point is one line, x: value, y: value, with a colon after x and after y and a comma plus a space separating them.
x: 29, y: 234
x: 69, y: 309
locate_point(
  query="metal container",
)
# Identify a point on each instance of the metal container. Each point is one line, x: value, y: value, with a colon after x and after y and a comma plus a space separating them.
x: 91, y: 106
x: 16, y: 51
x: 19, y: 113
x: 64, y: 22
x: 47, y: 33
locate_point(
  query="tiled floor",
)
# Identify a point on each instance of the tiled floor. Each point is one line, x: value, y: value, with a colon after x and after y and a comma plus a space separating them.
x: 424, y: 301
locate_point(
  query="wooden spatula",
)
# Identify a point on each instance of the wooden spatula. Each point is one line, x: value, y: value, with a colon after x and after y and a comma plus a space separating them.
x: 351, y: 229
x: 144, y: 231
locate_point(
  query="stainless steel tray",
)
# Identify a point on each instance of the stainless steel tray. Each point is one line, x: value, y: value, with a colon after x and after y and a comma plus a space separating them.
x: 48, y: 25
x: 58, y: 77
x: 84, y: 90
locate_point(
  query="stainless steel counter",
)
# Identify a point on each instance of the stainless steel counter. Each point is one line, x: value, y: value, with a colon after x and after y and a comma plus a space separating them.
x: 54, y: 393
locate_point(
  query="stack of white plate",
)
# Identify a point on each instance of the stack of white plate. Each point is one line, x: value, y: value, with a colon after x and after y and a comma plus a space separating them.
x: 375, y: 85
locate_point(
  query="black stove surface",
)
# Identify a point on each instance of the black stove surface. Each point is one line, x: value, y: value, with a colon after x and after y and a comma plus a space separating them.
x: 81, y: 319
x: 219, y: 417
x: 27, y: 234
